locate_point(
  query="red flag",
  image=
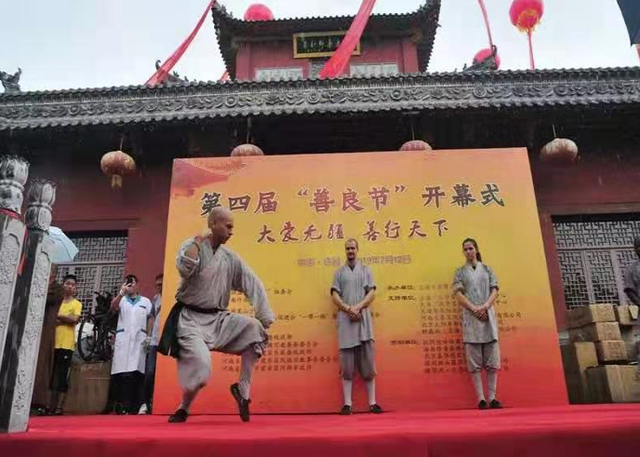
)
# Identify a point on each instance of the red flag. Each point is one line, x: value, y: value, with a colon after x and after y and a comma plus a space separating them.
x: 166, y: 67
x: 335, y: 65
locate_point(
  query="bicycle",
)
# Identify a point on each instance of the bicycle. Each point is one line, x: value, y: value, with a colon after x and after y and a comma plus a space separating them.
x: 98, y: 331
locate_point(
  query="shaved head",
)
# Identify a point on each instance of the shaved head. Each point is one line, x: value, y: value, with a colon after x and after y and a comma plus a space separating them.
x: 220, y: 223
x: 217, y: 214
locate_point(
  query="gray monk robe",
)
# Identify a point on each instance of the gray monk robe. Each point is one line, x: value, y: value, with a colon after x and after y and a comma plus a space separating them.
x: 206, y: 285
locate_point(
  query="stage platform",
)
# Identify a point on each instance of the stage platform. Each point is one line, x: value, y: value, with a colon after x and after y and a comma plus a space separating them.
x: 583, y: 431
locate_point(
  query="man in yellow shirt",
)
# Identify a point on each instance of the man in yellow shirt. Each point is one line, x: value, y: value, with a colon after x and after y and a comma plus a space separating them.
x: 68, y: 317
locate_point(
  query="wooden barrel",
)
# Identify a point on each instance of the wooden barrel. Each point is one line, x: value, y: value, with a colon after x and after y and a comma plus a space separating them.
x: 89, y: 388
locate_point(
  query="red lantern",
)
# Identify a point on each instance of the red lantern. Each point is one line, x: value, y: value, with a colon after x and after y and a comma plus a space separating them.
x: 245, y: 150
x: 415, y: 145
x: 117, y: 164
x: 483, y: 54
x: 560, y: 151
x: 258, y: 12
x: 526, y: 15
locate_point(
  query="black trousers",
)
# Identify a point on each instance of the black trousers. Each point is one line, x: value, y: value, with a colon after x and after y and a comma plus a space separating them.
x: 127, y: 391
x: 61, y: 370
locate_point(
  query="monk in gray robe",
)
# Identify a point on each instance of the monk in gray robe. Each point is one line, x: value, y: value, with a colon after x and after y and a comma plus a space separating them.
x: 353, y: 291
x: 200, y: 323
x: 475, y: 287
x: 632, y: 284
x: 632, y: 276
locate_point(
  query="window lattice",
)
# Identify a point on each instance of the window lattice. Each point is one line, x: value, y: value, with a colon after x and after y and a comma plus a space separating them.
x: 593, y: 256
x: 99, y: 267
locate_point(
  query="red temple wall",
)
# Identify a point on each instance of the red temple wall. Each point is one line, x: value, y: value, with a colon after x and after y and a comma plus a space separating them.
x: 85, y: 202
x: 279, y: 54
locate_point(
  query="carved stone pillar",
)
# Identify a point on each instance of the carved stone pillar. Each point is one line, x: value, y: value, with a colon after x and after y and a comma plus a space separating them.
x: 17, y: 372
x: 13, y: 174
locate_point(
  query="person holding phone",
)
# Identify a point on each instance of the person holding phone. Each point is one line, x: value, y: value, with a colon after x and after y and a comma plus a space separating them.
x: 132, y: 343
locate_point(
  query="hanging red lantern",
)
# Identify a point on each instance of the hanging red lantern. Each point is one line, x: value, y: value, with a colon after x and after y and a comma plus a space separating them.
x: 485, y: 54
x: 415, y: 145
x: 117, y: 164
x: 245, y: 150
x: 526, y: 15
x: 258, y: 12
x: 560, y: 151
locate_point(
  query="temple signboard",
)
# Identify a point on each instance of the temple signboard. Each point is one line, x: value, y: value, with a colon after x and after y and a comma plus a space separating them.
x: 318, y: 44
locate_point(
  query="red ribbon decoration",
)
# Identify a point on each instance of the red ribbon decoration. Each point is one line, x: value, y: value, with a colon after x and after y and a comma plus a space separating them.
x: 166, y: 67
x: 11, y: 214
x: 486, y: 21
x: 338, y: 61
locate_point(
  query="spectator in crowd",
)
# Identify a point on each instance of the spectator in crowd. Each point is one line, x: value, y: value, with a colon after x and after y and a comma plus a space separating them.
x: 150, y: 374
x: 65, y: 341
x: 132, y: 343
x: 41, y: 392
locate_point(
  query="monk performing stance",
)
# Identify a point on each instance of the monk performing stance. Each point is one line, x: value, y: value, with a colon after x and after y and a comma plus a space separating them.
x: 199, y: 322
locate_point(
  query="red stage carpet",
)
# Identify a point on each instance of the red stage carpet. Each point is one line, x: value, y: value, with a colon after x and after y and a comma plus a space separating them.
x: 564, y: 431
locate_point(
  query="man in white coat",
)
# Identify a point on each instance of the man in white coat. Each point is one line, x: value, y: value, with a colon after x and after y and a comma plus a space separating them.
x: 132, y: 340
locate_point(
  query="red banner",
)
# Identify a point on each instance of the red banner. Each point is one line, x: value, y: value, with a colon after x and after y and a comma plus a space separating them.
x: 335, y: 65
x: 166, y: 67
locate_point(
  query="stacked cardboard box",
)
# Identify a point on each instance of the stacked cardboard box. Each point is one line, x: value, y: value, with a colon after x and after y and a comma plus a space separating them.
x: 609, y: 332
x: 627, y: 317
x: 576, y: 358
x: 587, y: 325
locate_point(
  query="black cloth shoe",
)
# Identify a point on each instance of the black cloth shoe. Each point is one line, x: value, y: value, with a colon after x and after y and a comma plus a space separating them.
x: 179, y: 416
x: 495, y: 404
x: 243, y: 404
x: 482, y: 405
x: 375, y: 409
x: 346, y: 410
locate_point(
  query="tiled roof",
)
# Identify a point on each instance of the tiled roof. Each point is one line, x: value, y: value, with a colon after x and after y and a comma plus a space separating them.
x: 423, y: 92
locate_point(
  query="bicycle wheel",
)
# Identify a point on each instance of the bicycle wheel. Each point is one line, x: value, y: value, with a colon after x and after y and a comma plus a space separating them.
x: 88, y: 339
x: 107, y: 341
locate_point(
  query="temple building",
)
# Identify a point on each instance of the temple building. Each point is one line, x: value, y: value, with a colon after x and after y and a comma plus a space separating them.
x: 589, y: 210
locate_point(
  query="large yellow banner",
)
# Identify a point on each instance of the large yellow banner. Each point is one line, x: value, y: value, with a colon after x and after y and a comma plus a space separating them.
x: 410, y: 213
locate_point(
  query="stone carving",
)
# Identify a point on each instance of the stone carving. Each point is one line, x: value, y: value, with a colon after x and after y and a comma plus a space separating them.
x: 40, y: 199
x: 11, y: 83
x: 10, y: 256
x: 28, y: 351
x: 487, y: 64
x: 424, y: 91
x: 26, y: 310
x: 11, y: 238
x: 172, y: 77
x: 14, y: 172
